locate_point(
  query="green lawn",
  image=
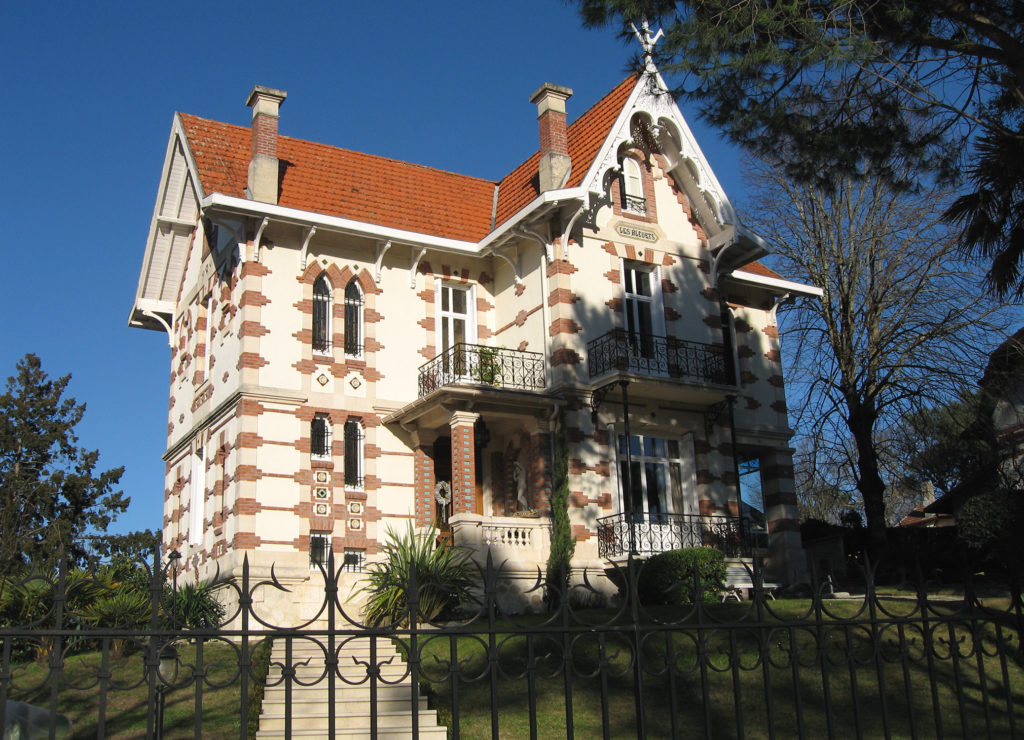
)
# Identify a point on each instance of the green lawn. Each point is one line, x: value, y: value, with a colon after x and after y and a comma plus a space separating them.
x: 126, y: 693
x: 730, y: 696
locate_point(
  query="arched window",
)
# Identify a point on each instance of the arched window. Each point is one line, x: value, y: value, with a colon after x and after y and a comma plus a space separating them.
x: 321, y: 315
x: 353, y: 454
x: 353, y: 319
x: 632, y: 187
x: 320, y: 436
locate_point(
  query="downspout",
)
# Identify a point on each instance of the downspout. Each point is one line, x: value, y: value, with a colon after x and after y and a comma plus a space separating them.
x: 545, y: 318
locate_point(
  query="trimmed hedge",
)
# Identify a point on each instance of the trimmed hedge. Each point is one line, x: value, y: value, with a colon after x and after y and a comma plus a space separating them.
x: 668, y: 578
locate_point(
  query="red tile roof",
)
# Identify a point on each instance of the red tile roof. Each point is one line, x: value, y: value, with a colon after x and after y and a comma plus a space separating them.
x: 377, y: 190
x: 584, y: 138
x: 758, y: 269
x: 338, y: 182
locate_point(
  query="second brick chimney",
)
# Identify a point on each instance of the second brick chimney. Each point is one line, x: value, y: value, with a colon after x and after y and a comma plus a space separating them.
x: 263, y: 164
x: 554, y: 147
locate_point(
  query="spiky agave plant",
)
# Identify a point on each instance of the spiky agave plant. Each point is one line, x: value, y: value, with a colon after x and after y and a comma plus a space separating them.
x: 444, y: 577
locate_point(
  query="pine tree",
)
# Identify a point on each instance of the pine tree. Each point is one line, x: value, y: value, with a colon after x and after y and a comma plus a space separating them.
x: 50, y: 491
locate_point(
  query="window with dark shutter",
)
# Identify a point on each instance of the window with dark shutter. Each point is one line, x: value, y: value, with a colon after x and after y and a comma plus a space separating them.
x: 321, y: 315
x: 319, y: 549
x: 353, y: 454
x: 353, y: 319
x: 320, y: 436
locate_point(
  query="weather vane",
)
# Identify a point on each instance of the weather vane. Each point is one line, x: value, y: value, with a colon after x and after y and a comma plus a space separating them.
x: 647, y: 42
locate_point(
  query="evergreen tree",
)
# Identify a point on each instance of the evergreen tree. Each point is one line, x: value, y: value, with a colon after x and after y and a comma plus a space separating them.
x: 50, y: 491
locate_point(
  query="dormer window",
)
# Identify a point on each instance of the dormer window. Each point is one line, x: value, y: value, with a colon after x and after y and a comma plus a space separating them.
x: 633, y: 200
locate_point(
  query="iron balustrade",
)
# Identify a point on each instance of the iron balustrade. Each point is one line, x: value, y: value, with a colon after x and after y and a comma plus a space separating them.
x: 477, y: 364
x: 648, y: 354
x: 635, y: 204
x: 650, y: 534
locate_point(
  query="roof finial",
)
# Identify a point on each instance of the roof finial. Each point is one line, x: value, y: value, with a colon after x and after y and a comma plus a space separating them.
x: 647, y: 42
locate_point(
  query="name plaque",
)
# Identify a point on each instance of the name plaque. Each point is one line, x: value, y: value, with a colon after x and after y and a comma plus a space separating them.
x: 632, y: 232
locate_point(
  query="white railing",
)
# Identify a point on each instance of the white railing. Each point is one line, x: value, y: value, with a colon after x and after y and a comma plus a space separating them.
x: 523, y: 541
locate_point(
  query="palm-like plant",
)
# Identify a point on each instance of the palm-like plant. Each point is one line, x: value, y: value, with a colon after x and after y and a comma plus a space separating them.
x: 443, y: 572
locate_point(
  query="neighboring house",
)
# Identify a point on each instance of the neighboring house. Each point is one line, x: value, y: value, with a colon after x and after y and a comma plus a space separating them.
x: 358, y: 341
x: 1000, y: 420
x: 922, y: 519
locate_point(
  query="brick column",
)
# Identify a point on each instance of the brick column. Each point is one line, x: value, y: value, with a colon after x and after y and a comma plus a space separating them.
x: 423, y: 479
x: 540, y: 468
x: 786, y: 562
x: 463, y: 462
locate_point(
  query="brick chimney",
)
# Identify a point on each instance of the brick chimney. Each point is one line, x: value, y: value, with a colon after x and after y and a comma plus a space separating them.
x: 554, y: 147
x: 263, y: 165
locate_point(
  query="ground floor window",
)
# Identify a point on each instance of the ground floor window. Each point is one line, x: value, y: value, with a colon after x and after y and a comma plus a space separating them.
x: 354, y: 560
x: 752, y: 507
x: 319, y: 549
x: 653, y: 479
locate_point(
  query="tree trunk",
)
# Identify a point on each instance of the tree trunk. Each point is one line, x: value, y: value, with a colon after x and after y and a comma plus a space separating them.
x: 869, y: 481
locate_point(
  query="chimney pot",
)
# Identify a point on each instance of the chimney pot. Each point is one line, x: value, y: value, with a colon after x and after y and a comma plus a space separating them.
x: 555, y: 162
x: 263, y: 164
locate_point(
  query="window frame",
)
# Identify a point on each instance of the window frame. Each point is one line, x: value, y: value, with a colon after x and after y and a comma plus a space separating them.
x: 353, y: 455
x: 323, y: 548
x: 354, y: 319
x: 684, y: 465
x: 323, y: 310
x: 631, y: 187
x: 327, y: 433
x: 197, y: 497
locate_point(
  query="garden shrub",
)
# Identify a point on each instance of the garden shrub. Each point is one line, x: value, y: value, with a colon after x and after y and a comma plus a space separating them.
x: 668, y: 578
x: 444, y: 578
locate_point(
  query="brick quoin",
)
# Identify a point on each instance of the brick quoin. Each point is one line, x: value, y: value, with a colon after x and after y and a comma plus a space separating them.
x: 581, y: 532
x: 771, y: 331
x: 560, y: 267
x: 565, y: 356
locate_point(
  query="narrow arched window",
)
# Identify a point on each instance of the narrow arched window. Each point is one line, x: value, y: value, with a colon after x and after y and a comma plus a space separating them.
x: 632, y: 187
x: 353, y: 454
x: 353, y: 319
x: 321, y: 315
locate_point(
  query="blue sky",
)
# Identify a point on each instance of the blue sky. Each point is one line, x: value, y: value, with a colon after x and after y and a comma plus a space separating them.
x: 88, y: 97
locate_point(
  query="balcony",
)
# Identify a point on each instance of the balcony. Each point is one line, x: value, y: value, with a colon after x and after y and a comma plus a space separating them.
x: 475, y: 364
x: 667, y: 357
x: 619, y: 533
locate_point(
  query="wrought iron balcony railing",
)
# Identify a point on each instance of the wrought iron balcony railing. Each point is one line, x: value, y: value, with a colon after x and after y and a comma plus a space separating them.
x: 618, y: 534
x: 623, y: 351
x: 634, y: 204
x: 498, y: 367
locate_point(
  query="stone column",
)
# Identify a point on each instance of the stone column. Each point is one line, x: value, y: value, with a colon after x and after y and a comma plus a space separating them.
x: 463, y: 462
x: 786, y: 562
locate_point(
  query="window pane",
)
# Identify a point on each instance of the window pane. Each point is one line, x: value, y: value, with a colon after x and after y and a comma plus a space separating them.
x: 634, y: 445
x: 676, y: 471
x: 659, y: 448
x: 673, y: 449
x: 445, y: 291
x: 656, y: 490
x: 458, y: 300
x: 460, y: 330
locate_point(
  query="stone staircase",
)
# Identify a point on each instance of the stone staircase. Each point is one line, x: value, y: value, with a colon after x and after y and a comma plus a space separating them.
x: 310, y: 694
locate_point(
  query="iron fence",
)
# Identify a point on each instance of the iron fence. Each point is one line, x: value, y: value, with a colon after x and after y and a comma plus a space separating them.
x: 649, y: 534
x: 648, y: 354
x: 490, y: 366
x: 882, y: 663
